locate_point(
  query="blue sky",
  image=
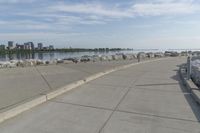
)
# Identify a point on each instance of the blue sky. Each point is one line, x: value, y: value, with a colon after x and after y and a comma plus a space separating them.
x: 138, y: 24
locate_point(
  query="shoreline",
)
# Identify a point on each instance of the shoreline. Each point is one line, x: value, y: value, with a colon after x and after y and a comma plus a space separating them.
x: 52, y: 55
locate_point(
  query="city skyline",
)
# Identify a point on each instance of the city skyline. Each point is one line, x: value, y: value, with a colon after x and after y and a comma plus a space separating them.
x: 139, y: 24
x: 11, y: 45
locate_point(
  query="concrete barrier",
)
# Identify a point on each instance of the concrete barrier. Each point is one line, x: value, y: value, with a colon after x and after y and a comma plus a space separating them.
x: 26, y: 105
x: 189, y: 84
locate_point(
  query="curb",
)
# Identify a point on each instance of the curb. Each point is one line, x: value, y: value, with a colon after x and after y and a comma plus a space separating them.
x: 191, y: 87
x: 21, y: 108
x: 46, y: 97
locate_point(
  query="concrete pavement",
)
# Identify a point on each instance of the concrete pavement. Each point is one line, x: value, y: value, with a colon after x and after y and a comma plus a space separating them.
x: 21, y: 84
x: 146, y: 98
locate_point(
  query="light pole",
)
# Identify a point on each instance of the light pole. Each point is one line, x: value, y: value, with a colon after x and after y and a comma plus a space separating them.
x: 188, y: 67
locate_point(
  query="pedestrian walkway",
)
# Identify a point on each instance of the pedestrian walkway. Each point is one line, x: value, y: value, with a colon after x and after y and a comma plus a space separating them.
x: 145, y: 98
x: 18, y: 85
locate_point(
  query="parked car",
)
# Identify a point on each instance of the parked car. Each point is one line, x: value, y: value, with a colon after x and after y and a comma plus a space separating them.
x: 159, y: 54
x: 150, y: 55
x: 171, y: 53
x: 60, y: 61
x: 75, y: 60
x: 85, y: 58
x: 95, y: 58
x: 141, y: 55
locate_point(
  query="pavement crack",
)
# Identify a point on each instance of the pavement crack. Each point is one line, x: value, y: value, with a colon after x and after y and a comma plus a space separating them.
x: 161, y: 84
x: 129, y: 89
x: 87, y: 106
x: 43, y: 77
x: 159, y: 116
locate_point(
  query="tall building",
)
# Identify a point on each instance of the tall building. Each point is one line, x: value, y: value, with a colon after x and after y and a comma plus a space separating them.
x: 32, y: 45
x: 22, y: 47
x: 10, y: 45
x: 2, y: 47
x: 40, y: 46
x: 18, y: 46
x: 51, y: 47
x: 27, y: 46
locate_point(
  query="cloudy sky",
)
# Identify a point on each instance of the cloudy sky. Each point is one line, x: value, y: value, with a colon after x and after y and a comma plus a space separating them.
x: 136, y: 24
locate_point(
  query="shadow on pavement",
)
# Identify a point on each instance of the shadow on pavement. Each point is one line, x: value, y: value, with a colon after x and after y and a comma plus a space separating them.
x: 194, y: 106
x: 157, y: 84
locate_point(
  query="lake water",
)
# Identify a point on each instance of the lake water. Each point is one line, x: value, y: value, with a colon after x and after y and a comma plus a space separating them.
x: 61, y: 55
x: 52, y: 55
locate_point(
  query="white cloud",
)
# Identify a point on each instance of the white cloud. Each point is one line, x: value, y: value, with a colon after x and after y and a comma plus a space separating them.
x: 169, y: 7
x: 24, y: 24
x: 57, y: 39
x: 15, y: 1
x: 173, y: 42
x: 148, y: 8
x: 96, y: 9
x: 57, y: 13
x: 3, y: 22
x: 73, y: 20
x: 54, y: 23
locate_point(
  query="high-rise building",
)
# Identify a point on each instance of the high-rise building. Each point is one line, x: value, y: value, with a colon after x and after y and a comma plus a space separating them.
x: 21, y: 47
x: 10, y: 45
x: 27, y: 46
x: 2, y: 47
x: 45, y: 48
x: 18, y: 46
x: 51, y: 47
x: 32, y: 45
x: 40, y: 46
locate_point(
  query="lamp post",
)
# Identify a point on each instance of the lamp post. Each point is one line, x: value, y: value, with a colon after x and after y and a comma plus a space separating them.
x: 188, y: 67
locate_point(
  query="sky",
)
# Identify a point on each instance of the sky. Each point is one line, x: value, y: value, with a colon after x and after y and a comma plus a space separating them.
x: 138, y: 24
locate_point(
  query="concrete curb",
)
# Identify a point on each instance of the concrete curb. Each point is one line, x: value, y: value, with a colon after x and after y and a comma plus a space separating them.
x: 64, y: 89
x: 21, y: 108
x: 45, y: 97
x: 192, y: 88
